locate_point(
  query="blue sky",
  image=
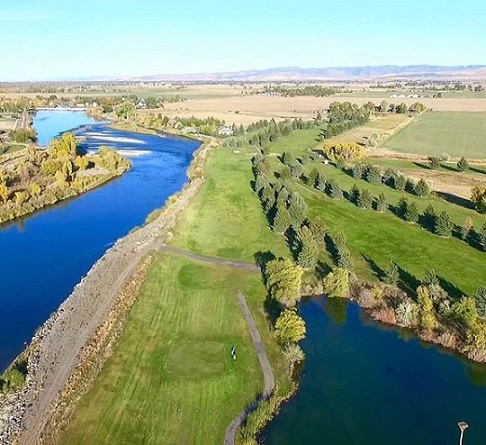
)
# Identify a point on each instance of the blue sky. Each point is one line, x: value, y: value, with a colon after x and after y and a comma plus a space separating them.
x: 61, y: 39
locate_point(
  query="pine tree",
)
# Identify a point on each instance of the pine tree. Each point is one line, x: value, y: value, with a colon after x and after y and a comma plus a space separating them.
x: 434, y: 163
x: 422, y: 188
x: 443, y: 225
x: 321, y: 183
x: 381, y: 203
x: 466, y: 229
x: 318, y: 228
x: 364, y: 199
x: 392, y: 274
x: 354, y: 194
x: 428, y: 321
x: 281, y: 221
x: 480, y: 299
x: 463, y: 165
x: 429, y: 217
x: 358, y: 171
x: 309, y: 251
x: 399, y: 182
x: 412, y: 213
x: 297, y: 210
x: 334, y: 190
x: 312, y: 178
x: 373, y: 174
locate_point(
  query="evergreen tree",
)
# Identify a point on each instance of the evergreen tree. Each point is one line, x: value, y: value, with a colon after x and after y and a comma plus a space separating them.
x: 392, y: 274
x: 281, y: 221
x: 297, y: 210
x: 429, y: 217
x: 313, y: 177
x: 428, y: 321
x: 365, y: 200
x: 443, y: 224
x: 409, y: 185
x: 358, y: 171
x: 373, y: 174
x: 354, y: 194
x: 422, y: 188
x: 289, y: 327
x: 389, y: 177
x: 381, y: 203
x: 336, y: 283
x: 434, y: 163
x: 463, y: 165
x: 334, y: 190
x: 399, y: 182
x: 321, y: 183
x: 430, y: 278
x: 412, y: 213
x: 402, y: 207
x: 466, y: 229
x: 309, y: 251
x: 318, y: 228
x: 480, y: 300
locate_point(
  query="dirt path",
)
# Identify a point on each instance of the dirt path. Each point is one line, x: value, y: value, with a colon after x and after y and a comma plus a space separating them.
x: 57, y: 347
x: 268, y: 377
x: 209, y: 259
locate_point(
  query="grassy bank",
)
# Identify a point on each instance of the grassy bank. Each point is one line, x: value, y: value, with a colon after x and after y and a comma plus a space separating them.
x: 171, y: 378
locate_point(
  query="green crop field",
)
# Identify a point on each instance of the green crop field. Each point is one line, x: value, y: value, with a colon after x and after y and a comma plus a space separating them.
x: 455, y: 133
x: 171, y: 379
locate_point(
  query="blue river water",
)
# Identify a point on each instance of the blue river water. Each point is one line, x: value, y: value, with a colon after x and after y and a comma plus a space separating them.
x: 44, y: 255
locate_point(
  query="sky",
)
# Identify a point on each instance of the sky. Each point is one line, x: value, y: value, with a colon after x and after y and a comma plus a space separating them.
x: 71, y: 39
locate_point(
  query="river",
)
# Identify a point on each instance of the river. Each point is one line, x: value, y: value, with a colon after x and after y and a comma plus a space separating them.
x: 366, y: 384
x: 44, y: 255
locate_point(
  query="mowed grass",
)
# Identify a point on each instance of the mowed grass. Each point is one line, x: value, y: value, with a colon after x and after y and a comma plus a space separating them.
x: 379, y: 238
x: 225, y: 219
x: 433, y: 133
x: 171, y: 379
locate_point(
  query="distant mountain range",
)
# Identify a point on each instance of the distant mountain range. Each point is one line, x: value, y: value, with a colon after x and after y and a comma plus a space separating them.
x: 358, y: 73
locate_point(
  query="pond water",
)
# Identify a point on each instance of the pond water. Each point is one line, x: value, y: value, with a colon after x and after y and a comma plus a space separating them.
x: 44, y: 255
x: 363, y: 383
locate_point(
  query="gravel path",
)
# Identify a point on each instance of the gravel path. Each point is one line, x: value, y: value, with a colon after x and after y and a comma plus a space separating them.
x: 268, y: 377
x: 209, y: 259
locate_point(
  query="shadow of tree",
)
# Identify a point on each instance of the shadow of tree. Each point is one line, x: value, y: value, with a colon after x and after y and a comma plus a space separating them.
x: 454, y: 199
x: 373, y: 266
x: 450, y: 288
x: 408, y: 282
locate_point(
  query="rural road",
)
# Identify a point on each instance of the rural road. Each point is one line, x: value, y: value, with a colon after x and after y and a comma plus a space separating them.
x: 209, y: 259
x: 268, y: 377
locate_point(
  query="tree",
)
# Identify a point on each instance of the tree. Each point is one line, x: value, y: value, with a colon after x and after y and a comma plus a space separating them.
x: 358, y: 170
x: 399, y: 182
x: 480, y: 300
x: 466, y: 229
x: 429, y: 217
x: 312, y: 178
x: 297, y: 210
x: 402, y: 108
x: 126, y: 110
x: 284, y: 280
x: 289, y: 327
x: 294, y: 354
x: 318, y: 229
x: 434, y: 163
x: 373, y: 174
x: 421, y: 188
x: 392, y: 274
x: 4, y: 193
x: 354, y: 194
x: 384, y: 106
x: 478, y: 198
x: 364, y: 199
x: 336, y: 283
x: 465, y: 312
x: 309, y: 251
x: 428, y: 321
x: 281, y: 221
x: 411, y: 213
x: 463, y: 165
x: 430, y: 278
x: 334, y: 190
x: 381, y: 203
x: 406, y: 313
x: 443, y: 224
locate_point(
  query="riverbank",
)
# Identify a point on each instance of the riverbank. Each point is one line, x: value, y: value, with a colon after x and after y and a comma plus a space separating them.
x: 58, y: 346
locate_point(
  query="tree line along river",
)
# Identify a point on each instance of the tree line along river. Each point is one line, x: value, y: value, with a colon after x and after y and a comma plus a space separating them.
x: 361, y: 383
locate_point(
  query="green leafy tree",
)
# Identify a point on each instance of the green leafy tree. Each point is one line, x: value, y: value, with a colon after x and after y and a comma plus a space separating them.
x: 443, y: 224
x: 463, y: 165
x: 354, y: 194
x: 289, y: 327
x: 294, y: 354
x: 478, y: 198
x: 422, y: 188
x: 336, y: 283
x: 284, y: 281
x: 309, y: 250
x: 312, y: 178
x: 427, y: 318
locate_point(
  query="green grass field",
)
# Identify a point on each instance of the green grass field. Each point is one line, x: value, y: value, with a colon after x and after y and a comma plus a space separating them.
x: 225, y: 218
x: 171, y: 379
x: 456, y: 133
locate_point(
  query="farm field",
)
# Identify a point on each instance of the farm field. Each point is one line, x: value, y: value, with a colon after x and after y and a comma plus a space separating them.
x: 172, y: 370
x: 455, y: 133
